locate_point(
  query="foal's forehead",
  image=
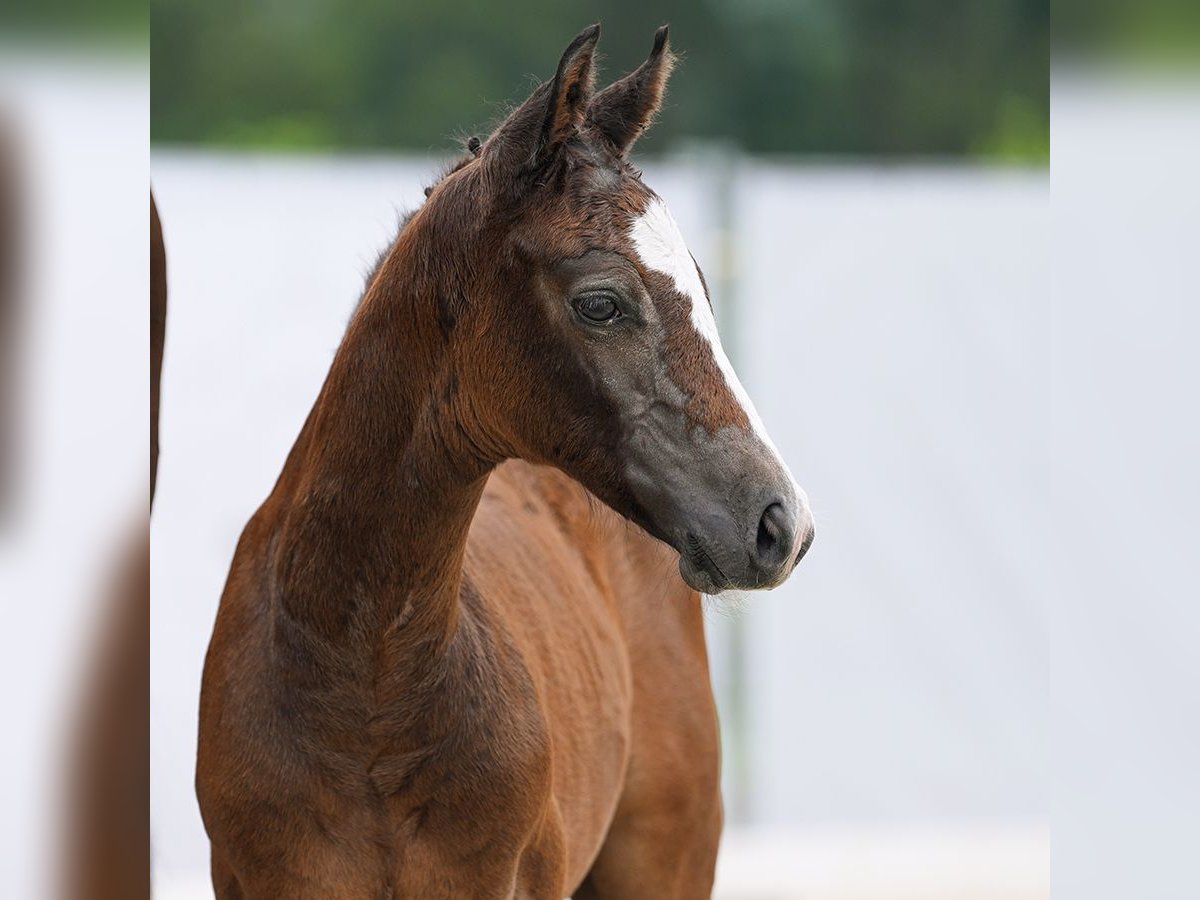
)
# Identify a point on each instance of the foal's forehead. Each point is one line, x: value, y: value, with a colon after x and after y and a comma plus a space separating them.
x: 639, y: 219
x: 658, y: 244
x: 616, y: 189
x: 609, y: 205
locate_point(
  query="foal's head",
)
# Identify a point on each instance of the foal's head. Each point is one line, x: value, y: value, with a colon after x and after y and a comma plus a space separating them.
x: 581, y: 333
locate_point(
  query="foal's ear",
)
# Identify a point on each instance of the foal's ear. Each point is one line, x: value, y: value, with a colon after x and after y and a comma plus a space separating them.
x: 624, y: 109
x: 554, y: 112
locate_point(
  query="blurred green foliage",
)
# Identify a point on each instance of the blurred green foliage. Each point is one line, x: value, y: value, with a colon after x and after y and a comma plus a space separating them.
x: 121, y: 22
x: 861, y: 77
x: 1154, y: 32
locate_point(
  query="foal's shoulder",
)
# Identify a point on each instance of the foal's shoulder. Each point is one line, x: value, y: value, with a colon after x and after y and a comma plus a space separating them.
x: 533, y: 497
x: 543, y: 527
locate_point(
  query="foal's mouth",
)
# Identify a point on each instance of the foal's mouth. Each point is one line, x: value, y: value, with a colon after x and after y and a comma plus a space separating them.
x: 699, y: 569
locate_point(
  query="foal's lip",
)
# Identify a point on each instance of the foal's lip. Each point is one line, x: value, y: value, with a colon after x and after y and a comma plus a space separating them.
x: 700, y: 577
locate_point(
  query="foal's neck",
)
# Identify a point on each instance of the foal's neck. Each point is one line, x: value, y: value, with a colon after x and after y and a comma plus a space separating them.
x: 378, y: 493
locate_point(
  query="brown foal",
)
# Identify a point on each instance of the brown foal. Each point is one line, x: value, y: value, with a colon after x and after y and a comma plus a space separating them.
x: 440, y: 667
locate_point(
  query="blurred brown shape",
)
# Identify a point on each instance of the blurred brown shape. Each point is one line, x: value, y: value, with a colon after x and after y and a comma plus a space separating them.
x: 9, y: 287
x: 109, y: 800
x: 158, y: 327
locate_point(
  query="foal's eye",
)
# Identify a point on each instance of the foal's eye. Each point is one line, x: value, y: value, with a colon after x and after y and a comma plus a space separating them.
x: 598, y: 307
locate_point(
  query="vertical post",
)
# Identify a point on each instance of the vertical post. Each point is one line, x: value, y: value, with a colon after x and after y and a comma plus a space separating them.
x: 714, y: 167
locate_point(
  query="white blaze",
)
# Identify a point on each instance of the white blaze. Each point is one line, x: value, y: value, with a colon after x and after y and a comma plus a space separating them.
x: 661, y: 247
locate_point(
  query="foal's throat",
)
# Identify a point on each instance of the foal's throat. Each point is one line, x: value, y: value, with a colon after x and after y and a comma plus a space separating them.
x: 377, y: 496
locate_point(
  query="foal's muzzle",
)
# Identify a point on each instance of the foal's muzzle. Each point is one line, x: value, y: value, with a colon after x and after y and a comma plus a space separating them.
x: 745, y: 550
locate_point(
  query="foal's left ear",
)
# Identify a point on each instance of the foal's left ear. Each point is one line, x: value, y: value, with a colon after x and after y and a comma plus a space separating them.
x: 554, y: 112
x: 624, y: 109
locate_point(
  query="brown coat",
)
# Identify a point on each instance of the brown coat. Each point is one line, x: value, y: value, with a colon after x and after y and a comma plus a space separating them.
x: 460, y: 652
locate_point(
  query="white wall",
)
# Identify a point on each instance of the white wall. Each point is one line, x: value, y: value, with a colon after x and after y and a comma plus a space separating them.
x: 893, y: 326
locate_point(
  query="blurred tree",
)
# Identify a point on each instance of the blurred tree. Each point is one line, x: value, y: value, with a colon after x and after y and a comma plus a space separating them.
x: 122, y: 23
x: 866, y: 77
x: 1159, y: 32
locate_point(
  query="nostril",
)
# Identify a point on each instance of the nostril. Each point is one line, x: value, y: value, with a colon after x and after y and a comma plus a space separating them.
x: 773, y: 539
